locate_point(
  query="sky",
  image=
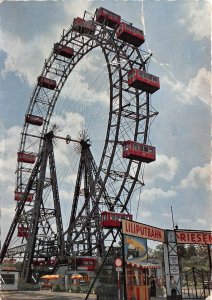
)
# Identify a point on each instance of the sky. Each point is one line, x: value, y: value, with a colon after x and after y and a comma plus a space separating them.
x: 178, y: 34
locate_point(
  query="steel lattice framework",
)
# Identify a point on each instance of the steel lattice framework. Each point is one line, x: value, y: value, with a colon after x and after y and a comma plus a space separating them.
x: 108, y: 185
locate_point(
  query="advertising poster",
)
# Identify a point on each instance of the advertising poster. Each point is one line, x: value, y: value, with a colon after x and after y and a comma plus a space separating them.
x: 135, y: 248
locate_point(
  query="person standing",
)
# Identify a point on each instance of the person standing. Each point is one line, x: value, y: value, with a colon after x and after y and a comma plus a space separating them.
x: 173, y: 287
x: 152, y: 288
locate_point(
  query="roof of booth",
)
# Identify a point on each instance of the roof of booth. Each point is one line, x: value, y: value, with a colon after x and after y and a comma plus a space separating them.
x: 144, y: 265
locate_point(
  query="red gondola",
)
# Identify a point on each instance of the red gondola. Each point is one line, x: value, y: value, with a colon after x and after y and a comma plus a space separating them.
x: 113, y: 220
x: 140, y: 152
x: 130, y: 34
x: 38, y: 262
x: 26, y: 157
x: 63, y: 50
x: 142, y: 80
x: 86, y: 263
x: 107, y: 17
x: 83, y: 26
x: 44, y: 262
x: 47, y: 83
x: 23, y: 231
x: 19, y: 196
x: 34, y: 120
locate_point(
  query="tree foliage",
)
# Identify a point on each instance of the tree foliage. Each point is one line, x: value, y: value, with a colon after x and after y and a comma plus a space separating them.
x: 189, y: 256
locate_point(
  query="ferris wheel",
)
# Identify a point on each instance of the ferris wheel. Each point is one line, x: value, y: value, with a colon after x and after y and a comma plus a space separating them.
x: 106, y: 184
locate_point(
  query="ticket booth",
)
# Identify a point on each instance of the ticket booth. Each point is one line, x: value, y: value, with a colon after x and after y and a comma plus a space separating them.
x: 137, y: 280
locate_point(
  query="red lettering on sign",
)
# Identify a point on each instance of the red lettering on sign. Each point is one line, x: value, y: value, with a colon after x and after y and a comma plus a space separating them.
x: 205, y: 238
x: 132, y: 229
x: 141, y: 230
x: 199, y: 238
x: 193, y: 238
x: 127, y: 227
x: 138, y: 228
x: 149, y: 233
x: 182, y: 237
x: 187, y: 237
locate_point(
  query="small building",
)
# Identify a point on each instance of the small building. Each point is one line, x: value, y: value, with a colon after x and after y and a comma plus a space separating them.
x: 9, y: 277
x: 137, y: 279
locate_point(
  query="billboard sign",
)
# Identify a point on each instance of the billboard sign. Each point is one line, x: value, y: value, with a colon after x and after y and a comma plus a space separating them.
x: 135, y: 248
x: 194, y: 237
x: 143, y: 231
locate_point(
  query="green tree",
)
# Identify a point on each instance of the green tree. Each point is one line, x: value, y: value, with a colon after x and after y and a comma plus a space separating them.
x: 192, y: 251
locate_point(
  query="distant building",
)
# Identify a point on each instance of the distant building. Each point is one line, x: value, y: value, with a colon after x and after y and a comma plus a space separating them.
x: 9, y: 277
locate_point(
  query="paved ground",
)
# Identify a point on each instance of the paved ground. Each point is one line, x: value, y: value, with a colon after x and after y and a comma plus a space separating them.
x: 41, y: 295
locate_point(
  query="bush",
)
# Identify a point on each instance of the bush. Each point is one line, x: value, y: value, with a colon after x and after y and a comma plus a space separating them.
x: 75, y: 289
x: 23, y: 286
x: 58, y: 288
x: 84, y: 289
x: 108, y: 290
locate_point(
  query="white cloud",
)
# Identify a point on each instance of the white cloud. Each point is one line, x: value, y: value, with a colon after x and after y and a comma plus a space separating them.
x: 76, y: 8
x: 201, y: 222
x: 79, y: 87
x: 145, y: 214
x: 29, y: 0
x: 71, y: 179
x: 68, y: 123
x: 183, y: 221
x: 164, y: 168
x: 198, y: 177
x: 65, y: 195
x: 1, y: 139
x: 141, y: 214
x: 197, y: 19
x: 88, y: 83
x: 154, y: 194
x: 166, y: 215
x: 200, y: 86
x: 9, y: 143
x: 7, y: 213
x: 197, y: 87
x: 27, y: 58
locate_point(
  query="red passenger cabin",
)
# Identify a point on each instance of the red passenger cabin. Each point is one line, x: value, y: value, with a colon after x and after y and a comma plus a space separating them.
x: 44, y: 262
x: 107, y: 17
x: 83, y: 26
x: 47, y: 83
x: 140, y: 152
x: 130, y: 34
x: 86, y: 263
x: 34, y: 120
x: 26, y: 157
x: 113, y: 220
x: 19, y: 196
x: 63, y: 50
x: 142, y: 80
x: 23, y: 231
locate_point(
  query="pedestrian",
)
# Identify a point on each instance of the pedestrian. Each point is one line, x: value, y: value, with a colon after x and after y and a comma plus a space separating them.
x: 173, y: 287
x: 160, y: 289
x: 152, y: 288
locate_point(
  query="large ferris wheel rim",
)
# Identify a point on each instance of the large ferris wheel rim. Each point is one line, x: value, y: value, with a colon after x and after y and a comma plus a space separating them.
x: 56, y: 94
x: 91, y: 42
